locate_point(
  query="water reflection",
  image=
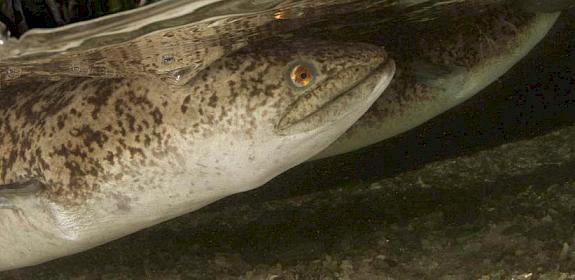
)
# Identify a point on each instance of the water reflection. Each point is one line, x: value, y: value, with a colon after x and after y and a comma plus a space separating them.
x: 177, y: 38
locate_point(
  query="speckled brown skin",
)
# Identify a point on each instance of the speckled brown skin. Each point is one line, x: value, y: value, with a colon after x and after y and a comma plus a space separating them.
x: 113, y: 156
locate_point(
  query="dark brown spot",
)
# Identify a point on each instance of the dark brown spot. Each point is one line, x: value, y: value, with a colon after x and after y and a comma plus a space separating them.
x: 157, y: 115
x: 213, y: 101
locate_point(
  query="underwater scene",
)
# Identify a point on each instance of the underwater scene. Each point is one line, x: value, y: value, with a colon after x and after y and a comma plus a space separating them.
x: 287, y: 139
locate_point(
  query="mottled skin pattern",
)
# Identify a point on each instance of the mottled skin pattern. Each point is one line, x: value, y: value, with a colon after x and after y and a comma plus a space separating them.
x: 69, y: 133
x: 113, y: 156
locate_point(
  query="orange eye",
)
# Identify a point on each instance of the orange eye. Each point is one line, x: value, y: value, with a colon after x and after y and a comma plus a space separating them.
x: 302, y: 75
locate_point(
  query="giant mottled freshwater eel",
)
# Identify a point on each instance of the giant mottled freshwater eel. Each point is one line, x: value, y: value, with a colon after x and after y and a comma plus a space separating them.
x: 87, y: 160
x: 439, y: 70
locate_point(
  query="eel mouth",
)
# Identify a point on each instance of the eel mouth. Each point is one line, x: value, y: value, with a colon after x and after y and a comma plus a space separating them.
x: 312, y: 111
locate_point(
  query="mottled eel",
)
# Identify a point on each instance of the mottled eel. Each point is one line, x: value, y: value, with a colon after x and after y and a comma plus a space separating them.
x: 84, y: 161
x: 441, y: 70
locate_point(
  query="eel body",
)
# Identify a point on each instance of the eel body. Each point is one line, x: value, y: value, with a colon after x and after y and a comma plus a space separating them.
x: 84, y: 161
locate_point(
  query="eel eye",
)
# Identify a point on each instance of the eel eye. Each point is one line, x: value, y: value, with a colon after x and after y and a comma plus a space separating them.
x: 302, y: 75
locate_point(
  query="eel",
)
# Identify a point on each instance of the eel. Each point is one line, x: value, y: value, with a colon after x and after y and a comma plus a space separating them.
x: 437, y: 71
x: 84, y: 161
